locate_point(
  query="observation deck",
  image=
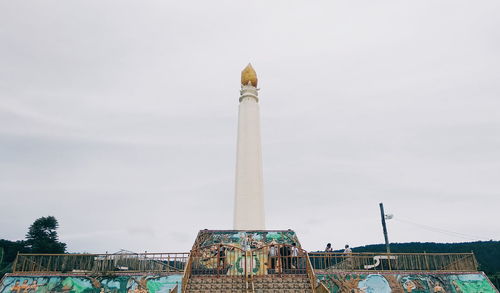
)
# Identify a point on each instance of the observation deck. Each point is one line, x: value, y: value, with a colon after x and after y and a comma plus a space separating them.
x: 250, y: 261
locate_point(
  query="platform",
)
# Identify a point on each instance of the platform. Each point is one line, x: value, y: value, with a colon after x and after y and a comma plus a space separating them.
x: 246, y: 261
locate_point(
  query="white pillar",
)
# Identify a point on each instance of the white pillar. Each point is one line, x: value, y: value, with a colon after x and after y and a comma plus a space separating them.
x: 249, y: 198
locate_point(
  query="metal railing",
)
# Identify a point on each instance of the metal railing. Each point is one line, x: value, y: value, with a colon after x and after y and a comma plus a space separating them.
x: 229, y: 260
x: 247, y: 265
x: 233, y: 261
x: 310, y: 274
x: 393, y: 261
x: 187, y: 274
x: 100, y: 263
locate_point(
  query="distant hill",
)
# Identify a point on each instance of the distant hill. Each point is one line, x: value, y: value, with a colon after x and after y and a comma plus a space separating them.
x: 487, y: 252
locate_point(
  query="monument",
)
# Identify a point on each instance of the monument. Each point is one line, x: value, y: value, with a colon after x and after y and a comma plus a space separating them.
x: 249, y: 198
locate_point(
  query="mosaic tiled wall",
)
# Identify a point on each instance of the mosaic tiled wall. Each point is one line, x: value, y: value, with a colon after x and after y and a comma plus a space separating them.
x: 401, y: 283
x: 86, y: 284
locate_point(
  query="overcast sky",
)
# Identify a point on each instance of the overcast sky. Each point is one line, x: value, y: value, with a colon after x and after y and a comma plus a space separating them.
x: 119, y: 118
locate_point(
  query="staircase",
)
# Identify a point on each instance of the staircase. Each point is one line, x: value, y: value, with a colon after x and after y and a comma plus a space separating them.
x: 259, y: 284
x: 248, y: 261
x: 284, y: 283
x: 206, y: 284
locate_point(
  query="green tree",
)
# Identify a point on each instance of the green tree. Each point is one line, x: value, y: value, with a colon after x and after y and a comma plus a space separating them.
x: 42, y: 236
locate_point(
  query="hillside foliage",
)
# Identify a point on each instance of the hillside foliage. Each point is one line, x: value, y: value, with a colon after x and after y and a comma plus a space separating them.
x: 487, y: 252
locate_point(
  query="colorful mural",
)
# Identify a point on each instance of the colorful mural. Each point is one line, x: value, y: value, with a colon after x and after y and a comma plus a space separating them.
x: 251, y: 252
x: 245, y: 240
x: 87, y: 284
x: 402, y: 283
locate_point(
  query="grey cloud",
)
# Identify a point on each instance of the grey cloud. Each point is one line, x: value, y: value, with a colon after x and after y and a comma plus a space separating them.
x: 113, y: 111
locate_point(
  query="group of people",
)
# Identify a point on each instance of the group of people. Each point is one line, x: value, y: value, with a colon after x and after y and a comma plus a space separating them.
x: 347, y: 260
x: 289, y: 256
x: 280, y: 257
x: 347, y: 249
x: 219, y: 252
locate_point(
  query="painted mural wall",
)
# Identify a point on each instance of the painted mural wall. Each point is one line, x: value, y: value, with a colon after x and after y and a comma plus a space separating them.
x: 245, y: 240
x: 87, y: 284
x: 244, y: 252
x: 402, y: 283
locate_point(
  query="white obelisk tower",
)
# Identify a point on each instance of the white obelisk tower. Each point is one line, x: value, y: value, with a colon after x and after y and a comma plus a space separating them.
x: 249, y: 198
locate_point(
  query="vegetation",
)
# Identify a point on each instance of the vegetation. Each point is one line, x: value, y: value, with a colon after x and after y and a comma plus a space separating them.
x: 487, y: 252
x: 41, y: 238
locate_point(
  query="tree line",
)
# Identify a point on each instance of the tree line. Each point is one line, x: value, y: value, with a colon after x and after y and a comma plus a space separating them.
x: 487, y: 252
x: 41, y: 238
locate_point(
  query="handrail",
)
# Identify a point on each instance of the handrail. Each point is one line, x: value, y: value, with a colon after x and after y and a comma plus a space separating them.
x: 321, y: 288
x: 14, y: 264
x: 310, y: 273
x: 175, y: 289
x: 393, y: 261
x: 474, y: 260
x: 177, y: 262
x: 100, y: 263
x: 187, y: 273
x: 385, y: 253
x: 102, y: 254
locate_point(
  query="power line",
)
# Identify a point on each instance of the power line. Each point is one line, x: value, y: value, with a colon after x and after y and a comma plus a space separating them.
x: 443, y: 231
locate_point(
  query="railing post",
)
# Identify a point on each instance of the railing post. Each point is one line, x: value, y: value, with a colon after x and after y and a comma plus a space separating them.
x: 24, y: 263
x: 389, y: 261
x: 245, y: 261
x: 168, y: 263
x: 14, y: 264
x: 218, y: 260
x: 426, y: 261
x: 310, y: 272
x: 187, y: 271
x: 474, y: 260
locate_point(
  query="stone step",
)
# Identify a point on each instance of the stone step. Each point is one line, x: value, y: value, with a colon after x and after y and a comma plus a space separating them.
x: 256, y: 286
x: 267, y: 278
x: 215, y: 286
x: 215, y: 280
x: 283, y: 286
x: 261, y: 284
x: 256, y: 291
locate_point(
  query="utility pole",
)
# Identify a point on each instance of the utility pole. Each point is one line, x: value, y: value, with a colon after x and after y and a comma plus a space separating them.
x: 382, y: 216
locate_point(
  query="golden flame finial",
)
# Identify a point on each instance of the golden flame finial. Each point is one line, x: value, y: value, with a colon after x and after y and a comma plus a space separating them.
x: 248, y: 75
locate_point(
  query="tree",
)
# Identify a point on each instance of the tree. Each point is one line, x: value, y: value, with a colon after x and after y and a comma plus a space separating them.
x: 42, y: 236
x: 10, y: 250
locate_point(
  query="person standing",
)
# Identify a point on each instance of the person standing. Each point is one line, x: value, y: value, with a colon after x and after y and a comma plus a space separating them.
x: 328, y: 255
x: 273, y: 254
x: 222, y: 256
x: 285, y: 257
x: 348, y: 259
x: 295, y: 255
